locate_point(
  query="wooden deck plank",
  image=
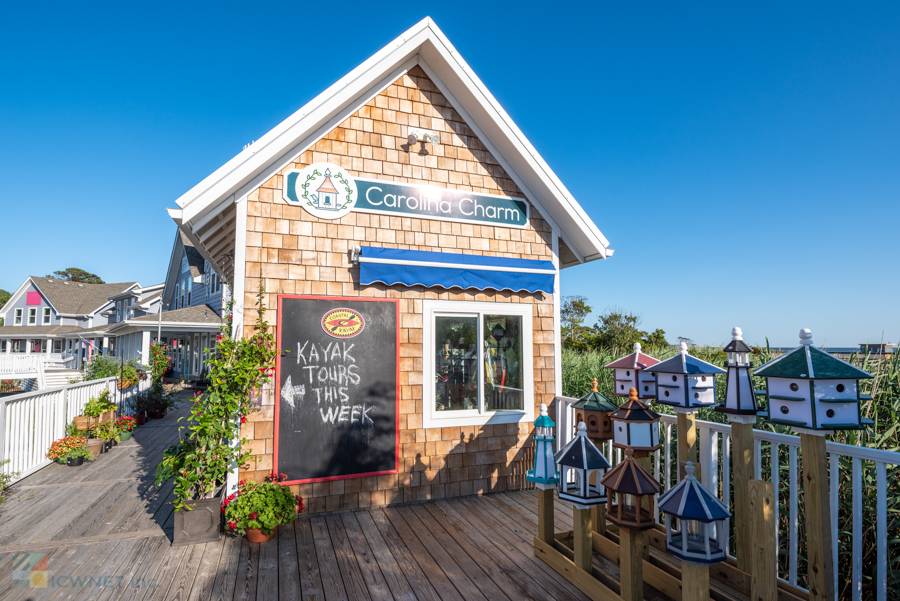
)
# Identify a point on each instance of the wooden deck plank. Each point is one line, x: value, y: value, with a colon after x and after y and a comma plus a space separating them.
x: 105, y: 568
x: 57, y: 558
x: 148, y: 570
x: 332, y: 582
x: 157, y: 585
x: 206, y: 573
x: 179, y: 585
x: 267, y: 572
x: 410, y: 526
x: 79, y: 568
x: 131, y: 566
x: 226, y: 574
x: 471, y: 551
x: 410, y: 552
x: 310, y: 580
x: 371, y: 571
x: 245, y: 586
x: 347, y: 563
x: 288, y: 566
x: 399, y: 579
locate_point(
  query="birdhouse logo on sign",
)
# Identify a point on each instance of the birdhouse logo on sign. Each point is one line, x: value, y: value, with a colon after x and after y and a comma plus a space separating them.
x: 343, y: 323
x: 323, y: 189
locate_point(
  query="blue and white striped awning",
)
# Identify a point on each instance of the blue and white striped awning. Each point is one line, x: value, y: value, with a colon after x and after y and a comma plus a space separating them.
x: 392, y: 266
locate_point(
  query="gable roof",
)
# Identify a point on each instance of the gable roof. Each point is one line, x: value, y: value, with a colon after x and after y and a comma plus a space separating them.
x: 71, y: 298
x: 426, y: 46
x: 807, y: 362
x: 195, y: 260
x: 636, y: 360
x: 682, y: 363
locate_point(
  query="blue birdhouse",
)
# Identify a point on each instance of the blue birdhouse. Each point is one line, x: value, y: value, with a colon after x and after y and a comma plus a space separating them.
x: 544, y: 474
x: 685, y: 381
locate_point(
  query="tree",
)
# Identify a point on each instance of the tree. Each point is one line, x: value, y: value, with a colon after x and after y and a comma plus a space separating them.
x: 656, y: 338
x: 687, y: 341
x: 4, y: 297
x: 73, y: 274
x: 619, y: 329
x: 573, y: 312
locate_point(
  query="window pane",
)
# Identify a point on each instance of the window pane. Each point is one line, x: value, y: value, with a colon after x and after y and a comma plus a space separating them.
x: 455, y: 363
x: 503, y: 363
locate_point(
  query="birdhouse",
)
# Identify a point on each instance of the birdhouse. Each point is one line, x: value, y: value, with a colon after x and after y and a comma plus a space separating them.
x: 626, y: 485
x: 809, y: 388
x: 581, y: 467
x: 685, y: 381
x: 544, y: 474
x: 740, y: 396
x: 631, y: 372
x: 594, y: 409
x: 327, y: 194
x: 635, y: 426
x: 702, y: 530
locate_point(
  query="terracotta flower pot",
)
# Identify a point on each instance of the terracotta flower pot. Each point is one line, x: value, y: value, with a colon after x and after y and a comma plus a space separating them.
x: 142, y: 418
x: 159, y: 413
x: 94, y: 445
x: 254, y: 535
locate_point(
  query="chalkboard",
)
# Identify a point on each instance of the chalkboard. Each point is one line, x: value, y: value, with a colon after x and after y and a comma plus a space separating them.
x: 337, y: 393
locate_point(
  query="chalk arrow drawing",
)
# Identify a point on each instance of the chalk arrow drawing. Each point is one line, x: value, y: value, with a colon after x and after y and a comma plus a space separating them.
x: 289, y: 392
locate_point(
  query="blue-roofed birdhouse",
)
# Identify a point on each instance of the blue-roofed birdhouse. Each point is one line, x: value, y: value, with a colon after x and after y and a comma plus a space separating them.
x: 701, y: 532
x: 631, y: 372
x: 544, y: 474
x: 809, y: 388
x: 685, y: 381
x: 594, y: 409
x: 740, y: 396
x: 581, y: 467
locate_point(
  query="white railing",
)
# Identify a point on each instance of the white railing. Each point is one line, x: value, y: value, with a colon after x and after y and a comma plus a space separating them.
x: 11, y: 365
x: 126, y: 394
x: 715, y: 450
x: 31, y: 421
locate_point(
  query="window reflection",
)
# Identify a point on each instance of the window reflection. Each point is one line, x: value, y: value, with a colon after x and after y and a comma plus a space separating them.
x: 503, y: 362
x: 456, y: 363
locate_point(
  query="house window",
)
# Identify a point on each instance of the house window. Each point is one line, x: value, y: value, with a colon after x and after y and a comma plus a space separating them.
x: 18, y: 317
x: 17, y: 346
x: 478, y: 365
x: 2, y: 346
x: 32, y: 316
x: 46, y: 318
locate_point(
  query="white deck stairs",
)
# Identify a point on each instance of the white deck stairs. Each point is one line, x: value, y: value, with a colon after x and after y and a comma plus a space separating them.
x: 60, y: 376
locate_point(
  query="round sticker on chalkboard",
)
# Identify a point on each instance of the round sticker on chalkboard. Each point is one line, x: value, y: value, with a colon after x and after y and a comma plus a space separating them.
x: 343, y: 323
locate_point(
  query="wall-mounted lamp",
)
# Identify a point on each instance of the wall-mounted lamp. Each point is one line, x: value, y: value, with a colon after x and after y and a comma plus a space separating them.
x: 417, y: 135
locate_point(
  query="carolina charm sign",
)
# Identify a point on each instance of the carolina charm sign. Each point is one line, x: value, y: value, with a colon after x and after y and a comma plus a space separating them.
x: 329, y: 192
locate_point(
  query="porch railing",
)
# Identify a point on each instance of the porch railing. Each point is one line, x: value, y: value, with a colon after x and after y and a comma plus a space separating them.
x: 31, y: 421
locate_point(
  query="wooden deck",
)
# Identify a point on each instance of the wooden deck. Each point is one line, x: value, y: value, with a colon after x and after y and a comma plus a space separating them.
x: 107, y: 531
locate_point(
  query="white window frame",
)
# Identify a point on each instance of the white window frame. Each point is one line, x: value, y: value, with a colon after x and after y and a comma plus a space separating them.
x: 431, y: 417
x: 32, y: 316
x: 17, y: 320
x: 45, y: 318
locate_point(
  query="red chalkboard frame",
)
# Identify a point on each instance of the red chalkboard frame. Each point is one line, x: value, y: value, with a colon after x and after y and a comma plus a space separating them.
x: 396, y: 469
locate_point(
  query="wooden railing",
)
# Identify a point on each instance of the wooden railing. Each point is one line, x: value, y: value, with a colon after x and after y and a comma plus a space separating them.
x: 31, y: 421
x: 715, y: 473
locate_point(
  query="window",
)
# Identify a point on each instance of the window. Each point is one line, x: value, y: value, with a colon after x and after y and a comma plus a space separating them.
x: 32, y: 316
x: 2, y: 346
x: 46, y: 315
x: 18, y: 317
x: 478, y: 366
x: 17, y: 346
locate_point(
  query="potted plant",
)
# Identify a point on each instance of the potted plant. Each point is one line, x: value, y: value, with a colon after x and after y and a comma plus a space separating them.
x: 107, y: 433
x: 70, y: 450
x: 210, y: 443
x: 256, y: 510
x: 126, y: 425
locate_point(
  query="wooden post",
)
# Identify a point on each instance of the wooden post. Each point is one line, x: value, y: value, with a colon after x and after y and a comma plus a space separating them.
x: 763, y: 571
x: 598, y: 519
x: 687, y: 442
x: 694, y: 582
x: 644, y: 461
x: 545, y: 515
x: 584, y: 550
x: 742, y: 471
x: 631, y: 564
x: 820, y: 563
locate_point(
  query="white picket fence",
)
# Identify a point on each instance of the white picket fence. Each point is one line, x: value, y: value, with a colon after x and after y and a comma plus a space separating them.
x: 715, y: 450
x: 31, y: 421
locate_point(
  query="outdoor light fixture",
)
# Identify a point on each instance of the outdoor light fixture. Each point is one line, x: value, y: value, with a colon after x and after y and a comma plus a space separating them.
x: 424, y: 136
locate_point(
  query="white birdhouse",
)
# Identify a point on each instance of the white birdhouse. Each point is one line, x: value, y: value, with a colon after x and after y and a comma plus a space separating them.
x: 685, y: 381
x: 544, y: 474
x: 740, y: 396
x: 635, y: 426
x: 808, y: 388
x: 701, y: 532
x: 581, y: 467
x: 631, y: 372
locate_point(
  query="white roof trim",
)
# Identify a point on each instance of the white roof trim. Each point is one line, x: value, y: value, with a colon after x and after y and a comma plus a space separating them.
x: 426, y: 45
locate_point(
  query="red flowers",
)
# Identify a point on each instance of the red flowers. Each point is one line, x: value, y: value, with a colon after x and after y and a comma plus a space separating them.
x: 232, y: 525
x: 253, y: 516
x: 243, y: 420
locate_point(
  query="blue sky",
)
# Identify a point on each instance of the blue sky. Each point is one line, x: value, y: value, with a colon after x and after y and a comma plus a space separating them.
x: 744, y: 161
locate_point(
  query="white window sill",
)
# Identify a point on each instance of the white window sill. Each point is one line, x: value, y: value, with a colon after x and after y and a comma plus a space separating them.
x: 437, y: 420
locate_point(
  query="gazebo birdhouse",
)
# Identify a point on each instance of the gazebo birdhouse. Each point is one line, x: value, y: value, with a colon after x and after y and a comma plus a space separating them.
x: 701, y: 532
x: 740, y: 396
x: 631, y: 372
x: 594, y: 410
x: 635, y: 426
x: 630, y: 482
x: 685, y: 381
x: 581, y: 467
x: 544, y: 474
x: 808, y: 388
